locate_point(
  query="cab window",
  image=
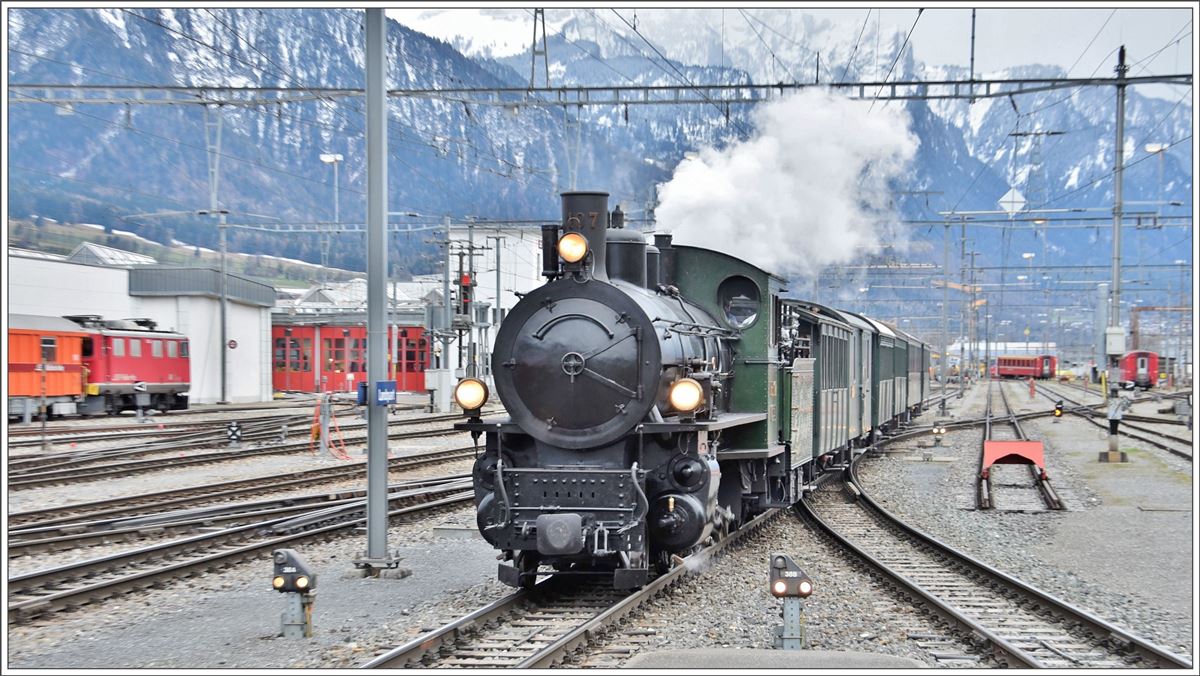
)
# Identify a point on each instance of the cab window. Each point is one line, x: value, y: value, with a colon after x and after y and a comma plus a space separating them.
x: 49, y: 349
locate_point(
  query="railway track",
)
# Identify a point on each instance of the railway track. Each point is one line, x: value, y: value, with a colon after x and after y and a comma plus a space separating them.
x: 30, y: 463
x: 64, y: 587
x: 1018, y: 624
x: 167, y: 524
x: 537, y: 628
x: 123, y: 469
x: 1133, y: 417
x: 19, y: 438
x: 86, y: 469
x: 1173, y: 444
x: 1000, y: 486
x: 68, y: 518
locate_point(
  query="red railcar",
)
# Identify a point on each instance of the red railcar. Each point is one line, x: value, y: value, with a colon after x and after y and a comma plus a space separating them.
x: 132, y: 364
x: 1139, y: 369
x: 1042, y: 366
x: 333, y: 358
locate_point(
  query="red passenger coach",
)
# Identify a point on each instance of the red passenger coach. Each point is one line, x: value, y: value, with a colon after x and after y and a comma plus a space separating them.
x: 333, y: 358
x: 1042, y: 366
x: 1139, y: 369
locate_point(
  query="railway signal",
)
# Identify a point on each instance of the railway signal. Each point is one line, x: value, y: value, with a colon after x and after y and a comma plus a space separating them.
x: 293, y: 577
x: 233, y: 431
x: 789, y: 582
x: 1058, y: 411
x: 939, y: 431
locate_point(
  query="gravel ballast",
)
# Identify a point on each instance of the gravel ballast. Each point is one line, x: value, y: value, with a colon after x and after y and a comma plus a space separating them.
x: 1122, y: 551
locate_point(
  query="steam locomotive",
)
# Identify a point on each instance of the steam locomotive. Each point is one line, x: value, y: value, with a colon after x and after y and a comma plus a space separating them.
x: 660, y: 396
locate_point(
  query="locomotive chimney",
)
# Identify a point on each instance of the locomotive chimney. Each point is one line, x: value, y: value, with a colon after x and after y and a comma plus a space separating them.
x: 666, y: 264
x: 652, y: 276
x: 587, y: 214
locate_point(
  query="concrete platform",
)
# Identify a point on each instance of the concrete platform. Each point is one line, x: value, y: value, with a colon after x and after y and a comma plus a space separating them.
x: 728, y: 658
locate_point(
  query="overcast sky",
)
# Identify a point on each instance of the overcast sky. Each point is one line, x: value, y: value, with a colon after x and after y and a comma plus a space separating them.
x: 1004, y: 36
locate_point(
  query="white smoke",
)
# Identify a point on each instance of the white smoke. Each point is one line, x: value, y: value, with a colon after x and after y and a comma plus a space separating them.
x: 809, y: 189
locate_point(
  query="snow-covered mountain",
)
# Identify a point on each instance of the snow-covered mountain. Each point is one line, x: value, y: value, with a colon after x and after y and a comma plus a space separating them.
x: 450, y: 158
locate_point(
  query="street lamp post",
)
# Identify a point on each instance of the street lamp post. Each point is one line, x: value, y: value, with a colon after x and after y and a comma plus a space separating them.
x: 1179, y: 360
x: 1158, y: 149
x: 1028, y: 256
x: 334, y: 159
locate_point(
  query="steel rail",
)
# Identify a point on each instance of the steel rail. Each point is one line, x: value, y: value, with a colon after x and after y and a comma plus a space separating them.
x: 78, y: 458
x: 1045, y: 489
x: 1156, y: 420
x: 67, y: 518
x: 90, y: 590
x: 157, y: 526
x: 1152, y: 437
x: 438, y: 640
x: 1100, y: 629
x: 35, y: 479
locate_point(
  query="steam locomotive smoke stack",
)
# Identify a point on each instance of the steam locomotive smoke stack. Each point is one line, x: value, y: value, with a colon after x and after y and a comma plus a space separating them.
x: 666, y: 259
x: 652, y: 277
x: 587, y: 214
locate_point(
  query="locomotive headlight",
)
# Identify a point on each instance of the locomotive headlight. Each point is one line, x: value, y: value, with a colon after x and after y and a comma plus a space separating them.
x: 686, y: 395
x: 572, y: 247
x: 471, y: 394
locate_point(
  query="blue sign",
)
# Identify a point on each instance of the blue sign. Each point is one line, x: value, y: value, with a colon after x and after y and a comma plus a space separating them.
x: 385, y: 392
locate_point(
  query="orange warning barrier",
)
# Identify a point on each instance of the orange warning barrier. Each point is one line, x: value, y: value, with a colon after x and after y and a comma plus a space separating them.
x: 1013, y: 453
x: 334, y: 449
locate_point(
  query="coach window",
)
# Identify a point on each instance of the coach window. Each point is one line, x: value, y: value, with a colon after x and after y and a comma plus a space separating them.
x: 135, y: 347
x: 183, y: 348
x: 172, y: 349
x: 156, y: 349
x: 49, y: 349
x: 118, y: 347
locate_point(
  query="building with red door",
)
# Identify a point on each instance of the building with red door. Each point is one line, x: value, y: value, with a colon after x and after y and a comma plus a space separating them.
x: 319, y: 339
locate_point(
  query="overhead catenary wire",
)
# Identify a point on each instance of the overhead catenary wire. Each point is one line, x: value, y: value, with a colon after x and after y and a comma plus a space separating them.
x: 764, y: 43
x: 896, y: 60
x: 854, y: 51
x: 680, y: 74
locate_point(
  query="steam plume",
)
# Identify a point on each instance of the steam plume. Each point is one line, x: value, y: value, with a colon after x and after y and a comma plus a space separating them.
x: 809, y: 189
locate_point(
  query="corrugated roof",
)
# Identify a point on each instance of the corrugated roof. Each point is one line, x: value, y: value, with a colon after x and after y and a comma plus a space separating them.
x: 353, y: 294
x: 29, y: 253
x: 189, y: 281
x: 98, y: 254
x: 40, y: 323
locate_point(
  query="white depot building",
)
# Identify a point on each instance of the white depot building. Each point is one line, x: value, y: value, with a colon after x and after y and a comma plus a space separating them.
x: 116, y: 284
